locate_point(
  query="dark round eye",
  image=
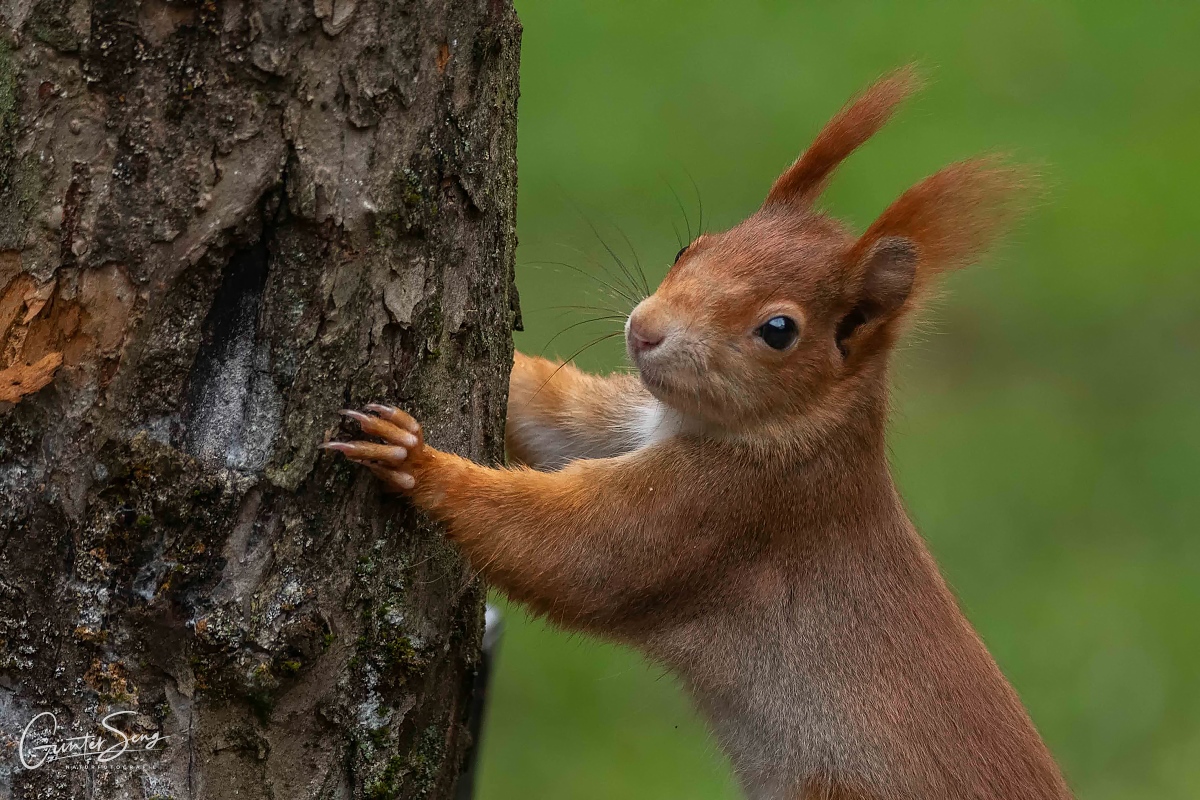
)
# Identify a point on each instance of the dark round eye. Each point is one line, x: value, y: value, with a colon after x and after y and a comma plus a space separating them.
x: 679, y: 255
x: 779, y: 332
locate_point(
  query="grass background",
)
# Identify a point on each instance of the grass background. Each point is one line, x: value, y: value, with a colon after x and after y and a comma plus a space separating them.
x: 1046, y: 435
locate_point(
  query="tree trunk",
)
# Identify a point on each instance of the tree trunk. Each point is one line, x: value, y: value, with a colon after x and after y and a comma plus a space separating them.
x: 220, y: 222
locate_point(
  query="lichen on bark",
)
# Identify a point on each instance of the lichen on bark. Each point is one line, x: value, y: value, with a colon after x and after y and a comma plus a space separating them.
x: 220, y: 223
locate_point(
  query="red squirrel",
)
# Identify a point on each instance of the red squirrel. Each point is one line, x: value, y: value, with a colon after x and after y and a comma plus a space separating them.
x: 729, y: 510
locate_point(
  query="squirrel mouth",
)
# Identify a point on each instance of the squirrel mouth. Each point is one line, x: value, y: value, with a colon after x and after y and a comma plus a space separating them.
x: 653, y: 379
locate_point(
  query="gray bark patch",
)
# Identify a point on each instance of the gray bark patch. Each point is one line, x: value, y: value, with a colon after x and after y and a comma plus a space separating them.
x: 233, y: 412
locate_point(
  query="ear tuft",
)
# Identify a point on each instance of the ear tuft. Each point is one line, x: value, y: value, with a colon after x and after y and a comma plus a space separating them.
x: 944, y: 222
x: 952, y: 216
x: 803, y: 182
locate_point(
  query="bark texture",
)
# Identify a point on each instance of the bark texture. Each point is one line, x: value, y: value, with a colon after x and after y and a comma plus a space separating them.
x: 220, y: 222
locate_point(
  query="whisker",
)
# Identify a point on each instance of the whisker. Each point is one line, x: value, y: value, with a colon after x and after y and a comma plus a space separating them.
x: 678, y: 238
x: 699, y: 201
x: 583, y: 308
x: 601, y: 266
x: 613, y: 254
x: 686, y: 220
x: 632, y: 285
x: 585, y: 273
x: 572, y: 357
x: 639, y: 281
x: 546, y: 346
x: 637, y: 262
x: 615, y: 315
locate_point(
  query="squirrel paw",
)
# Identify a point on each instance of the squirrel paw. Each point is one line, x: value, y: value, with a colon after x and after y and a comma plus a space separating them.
x: 395, y: 461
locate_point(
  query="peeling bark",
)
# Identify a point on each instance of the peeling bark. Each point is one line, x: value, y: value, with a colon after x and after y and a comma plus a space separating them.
x: 220, y: 222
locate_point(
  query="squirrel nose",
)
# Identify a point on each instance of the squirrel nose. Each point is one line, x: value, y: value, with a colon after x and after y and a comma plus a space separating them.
x: 642, y: 338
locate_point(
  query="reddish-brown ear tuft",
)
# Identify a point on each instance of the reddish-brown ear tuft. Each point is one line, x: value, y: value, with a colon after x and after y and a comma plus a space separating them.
x: 943, y: 222
x: 952, y: 216
x: 803, y: 182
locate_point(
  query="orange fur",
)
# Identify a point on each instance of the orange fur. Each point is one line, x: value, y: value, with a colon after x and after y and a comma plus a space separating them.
x: 732, y: 514
x: 841, y: 136
x: 560, y: 414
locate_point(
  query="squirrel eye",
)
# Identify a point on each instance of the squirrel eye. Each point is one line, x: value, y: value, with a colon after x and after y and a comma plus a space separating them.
x: 679, y: 255
x: 779, y: 332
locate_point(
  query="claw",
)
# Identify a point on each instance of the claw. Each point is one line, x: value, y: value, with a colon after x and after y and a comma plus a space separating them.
x: 369, y: 451
x: 354, y: 415
x: 380, y: 407
x: 396, y: 417
x: 402, y: 436
x: 384, y: 426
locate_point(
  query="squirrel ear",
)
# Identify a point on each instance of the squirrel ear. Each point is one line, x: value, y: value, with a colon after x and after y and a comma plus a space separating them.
x: 802, y: 182
x: 944, y: 222
x: 886, y: 274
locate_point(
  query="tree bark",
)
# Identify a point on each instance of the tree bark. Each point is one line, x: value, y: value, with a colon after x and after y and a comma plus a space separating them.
x: 220, y: 222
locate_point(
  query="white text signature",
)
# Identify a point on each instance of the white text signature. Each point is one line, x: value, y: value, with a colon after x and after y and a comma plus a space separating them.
x: 43, y: 729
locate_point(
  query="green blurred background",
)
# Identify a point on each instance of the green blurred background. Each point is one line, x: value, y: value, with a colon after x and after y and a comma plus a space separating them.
x: 1046, y: 434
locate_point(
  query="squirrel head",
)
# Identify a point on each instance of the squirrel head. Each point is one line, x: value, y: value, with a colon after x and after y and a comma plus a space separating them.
x: 787, y: 319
